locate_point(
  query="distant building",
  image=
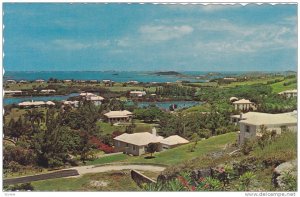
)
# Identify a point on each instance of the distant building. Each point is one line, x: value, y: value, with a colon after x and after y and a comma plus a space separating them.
x: 48, y: 91
x: 67, y: 81
x: 289, y: 93
x: 26, y: 104
x: 71, y: 103
x: 118, y: 116
x: 23, y: 81
x: 133, y: 82
x: 40, y: 81
x: 10, y: 81
x: 137, y: 93
x: 230, y: 79
x: 251, y: 122
x: 93, y: 81
x: 13, y: 92
x: 97, y: 100
x: 87, y: 94
x: 243, y: 104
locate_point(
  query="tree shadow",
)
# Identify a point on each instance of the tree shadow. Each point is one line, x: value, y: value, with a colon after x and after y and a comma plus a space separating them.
x: 149, y: 157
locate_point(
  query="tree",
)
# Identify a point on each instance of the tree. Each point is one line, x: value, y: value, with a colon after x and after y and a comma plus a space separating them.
x: 152, y: 148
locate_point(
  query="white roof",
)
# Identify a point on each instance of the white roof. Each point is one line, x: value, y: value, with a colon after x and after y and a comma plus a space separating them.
x: 50, y: 103
x: 233, y: 98
x: 96, y: 98
x: 48, y: 90
x: 31, y: 103
x: 87, y: 94
x: 118, y: 114
x: 12, y: 91
x: 242, y: 101
x: 288, y: 91
x: 139, y: 139
x: 40, y: 80
x: 174, y: 140
x: 70, y: 102
x: 257, y: 118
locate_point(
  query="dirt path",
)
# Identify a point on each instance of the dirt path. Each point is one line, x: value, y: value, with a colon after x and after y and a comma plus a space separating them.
x: 94, y: 169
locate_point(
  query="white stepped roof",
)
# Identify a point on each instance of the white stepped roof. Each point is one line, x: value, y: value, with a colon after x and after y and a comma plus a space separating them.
x: 139, y: 139
x: 174, y: 140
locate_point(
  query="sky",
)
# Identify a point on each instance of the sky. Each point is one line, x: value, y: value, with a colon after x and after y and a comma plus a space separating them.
x: 147, y: 37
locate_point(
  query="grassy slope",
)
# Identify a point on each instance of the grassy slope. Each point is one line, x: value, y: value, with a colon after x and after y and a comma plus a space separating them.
x: 279, y: 87
x: 116, y: 181
x: 252, y: 81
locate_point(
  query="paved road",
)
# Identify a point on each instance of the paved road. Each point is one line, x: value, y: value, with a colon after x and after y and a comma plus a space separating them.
x: 94, y: 169
x: 81, y: 170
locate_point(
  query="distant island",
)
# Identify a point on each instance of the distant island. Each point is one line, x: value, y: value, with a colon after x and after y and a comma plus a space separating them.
x: 168, y: 73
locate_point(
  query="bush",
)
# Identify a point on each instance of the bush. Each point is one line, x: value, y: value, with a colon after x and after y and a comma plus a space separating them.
x: 289, y: 182
x: 248, y: 146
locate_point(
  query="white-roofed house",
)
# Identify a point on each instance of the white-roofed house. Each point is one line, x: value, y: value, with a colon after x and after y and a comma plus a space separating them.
x: 13, y: 92
x: 171, y: 142
x: 118, y: 116
x: 135, y: 143
x: 10, y: 81
x: 40, y: 80
x: 71, y: 103
x: 32, y: 104
x: 251, y: 122
x: 87, y: 94
x: 50, y: 103
x: 289, y: 93
x: 48, y: 91
x: 243, y: 105
x: 137, y: 93
x: 97, y: 100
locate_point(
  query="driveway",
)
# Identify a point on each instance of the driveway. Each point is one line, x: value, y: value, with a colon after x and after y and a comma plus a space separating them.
x: 105, y: 168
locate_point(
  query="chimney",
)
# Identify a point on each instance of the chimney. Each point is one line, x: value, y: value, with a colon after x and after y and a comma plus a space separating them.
x: 154, y: 131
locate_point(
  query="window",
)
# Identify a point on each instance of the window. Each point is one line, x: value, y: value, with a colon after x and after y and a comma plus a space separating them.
x: 133, y: 147
x: 247, y: 129
x: 127, y: 145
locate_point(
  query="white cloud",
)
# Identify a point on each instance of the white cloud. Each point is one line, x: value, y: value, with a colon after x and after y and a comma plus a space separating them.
x: 71, y: 44
x: 163, y: 32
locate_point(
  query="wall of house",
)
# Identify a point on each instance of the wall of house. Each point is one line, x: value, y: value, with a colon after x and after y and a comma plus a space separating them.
x: 255, y: 129
x: 128, y: 148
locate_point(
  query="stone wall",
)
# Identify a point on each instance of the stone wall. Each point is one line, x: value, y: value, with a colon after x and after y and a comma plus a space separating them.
x: 139, y: 178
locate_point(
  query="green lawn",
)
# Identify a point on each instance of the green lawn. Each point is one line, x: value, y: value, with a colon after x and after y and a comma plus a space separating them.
x: 106, y: 181
x: 107, y: 128
x: 108, y: 159
x: 279, y: 87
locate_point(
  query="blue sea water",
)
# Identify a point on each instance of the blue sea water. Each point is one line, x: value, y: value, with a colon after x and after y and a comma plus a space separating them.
x: 118, y: 76
x: 166, y: 104
x: 16, y: 100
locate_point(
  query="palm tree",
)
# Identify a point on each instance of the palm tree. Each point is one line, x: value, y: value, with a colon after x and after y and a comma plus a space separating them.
x: 34, y: 116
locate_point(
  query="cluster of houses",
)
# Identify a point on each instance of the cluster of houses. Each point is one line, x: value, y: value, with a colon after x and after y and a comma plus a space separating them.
x: 27, y: 104
x: 20, y: 92
x: 136, y: 143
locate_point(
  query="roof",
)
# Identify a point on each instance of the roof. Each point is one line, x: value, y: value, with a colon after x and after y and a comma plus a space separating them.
x: 233, y: 98
x: 87, y: 94
x: 70, y: 102
x: 96, y: 98
x: 288, y: 91
x: 242, y: 101
x: 139, y: 139
x: 118, y: 114
x: 50, y: 103
x: 12, y: 91
x: 174, y: 140
x: 257, y: 118
x: 137, y: 92
x: 31, y: 103
x: 48, y: 90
